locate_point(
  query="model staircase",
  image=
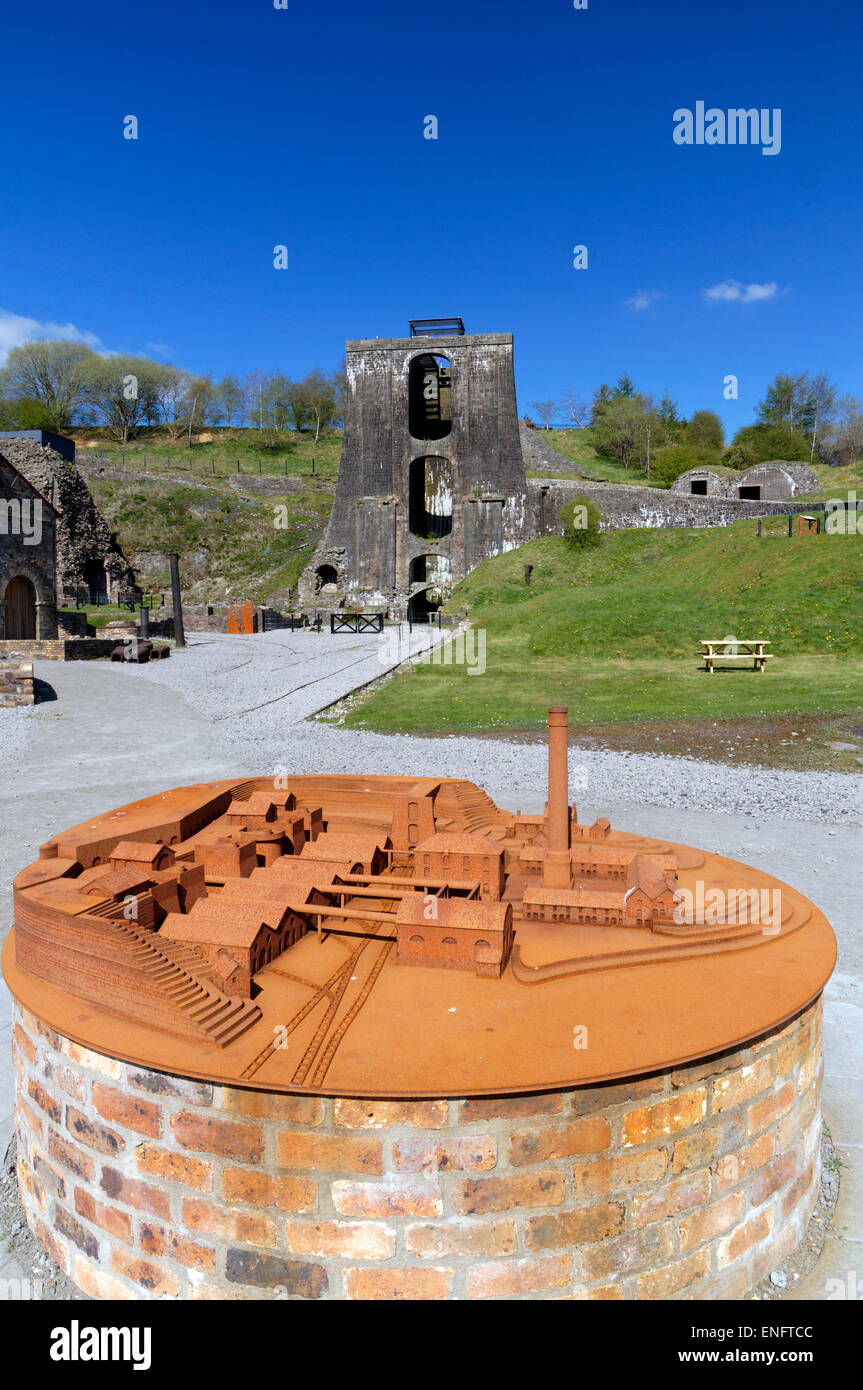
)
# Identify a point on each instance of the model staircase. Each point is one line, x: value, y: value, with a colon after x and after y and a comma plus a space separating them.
x: 222, y: 1018
x: 464, y: 806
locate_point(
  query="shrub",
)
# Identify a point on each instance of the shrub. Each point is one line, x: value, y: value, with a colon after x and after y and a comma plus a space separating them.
x: 668, y: 464
x: 582, y: 523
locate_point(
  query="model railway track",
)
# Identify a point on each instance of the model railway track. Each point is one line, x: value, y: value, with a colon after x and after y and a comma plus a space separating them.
x: 326, y: 1022
x: 333, y: 989
x: 322, y: 992
x: 329, y: 1053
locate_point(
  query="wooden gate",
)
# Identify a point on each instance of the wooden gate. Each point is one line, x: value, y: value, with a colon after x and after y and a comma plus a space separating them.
x: 20, y: 609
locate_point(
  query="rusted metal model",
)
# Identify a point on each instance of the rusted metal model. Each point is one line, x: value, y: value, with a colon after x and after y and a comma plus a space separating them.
x: 386, y: 936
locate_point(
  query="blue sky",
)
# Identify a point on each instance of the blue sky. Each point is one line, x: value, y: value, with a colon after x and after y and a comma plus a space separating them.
x: 304, y: 126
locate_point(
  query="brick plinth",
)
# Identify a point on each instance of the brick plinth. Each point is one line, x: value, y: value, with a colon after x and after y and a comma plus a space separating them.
x: 690, y: 1183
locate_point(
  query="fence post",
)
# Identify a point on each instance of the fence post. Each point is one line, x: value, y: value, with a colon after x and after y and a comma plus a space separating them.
x: 790, y: 525
x: 238, y: 465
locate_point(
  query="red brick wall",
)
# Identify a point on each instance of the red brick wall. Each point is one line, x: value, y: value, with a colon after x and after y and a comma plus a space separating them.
x: 692, y: 1183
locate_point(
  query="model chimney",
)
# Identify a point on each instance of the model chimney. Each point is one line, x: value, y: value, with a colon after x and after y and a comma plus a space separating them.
x: 557, y: 866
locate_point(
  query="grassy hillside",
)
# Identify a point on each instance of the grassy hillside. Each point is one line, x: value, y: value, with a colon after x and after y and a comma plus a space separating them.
x: 198, y: 502
x: 614, y: 633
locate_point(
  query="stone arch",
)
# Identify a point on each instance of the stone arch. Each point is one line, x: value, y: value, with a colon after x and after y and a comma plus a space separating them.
x: 326, y: 574
x: 430, y: 396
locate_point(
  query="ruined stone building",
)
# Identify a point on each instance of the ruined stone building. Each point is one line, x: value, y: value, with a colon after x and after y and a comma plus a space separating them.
x: 28, y: 559
x: 90, y: 564
x: 431, y: 480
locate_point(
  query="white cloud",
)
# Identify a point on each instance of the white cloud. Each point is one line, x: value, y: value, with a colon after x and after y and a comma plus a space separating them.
x: 733, y: 292
x: 16, y: 329
x: 642, y: 299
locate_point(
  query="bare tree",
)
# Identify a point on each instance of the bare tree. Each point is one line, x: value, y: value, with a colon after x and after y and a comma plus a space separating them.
x: 546, y: 411
x: 848, y: 432
x: 822, y: 395
x: 573, y: 407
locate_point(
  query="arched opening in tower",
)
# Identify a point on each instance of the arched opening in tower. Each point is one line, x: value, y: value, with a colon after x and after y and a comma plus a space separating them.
x: 430, y: 397
x: 430, y: 489
x: 434, y: 574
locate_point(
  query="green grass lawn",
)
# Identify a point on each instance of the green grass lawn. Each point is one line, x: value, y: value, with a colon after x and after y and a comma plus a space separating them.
x: 614, y: 633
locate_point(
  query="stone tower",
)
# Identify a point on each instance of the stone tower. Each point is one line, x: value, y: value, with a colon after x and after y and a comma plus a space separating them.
x: 431, y: 479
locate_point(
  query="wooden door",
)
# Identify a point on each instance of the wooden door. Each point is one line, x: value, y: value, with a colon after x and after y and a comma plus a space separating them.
x: 20, y: 610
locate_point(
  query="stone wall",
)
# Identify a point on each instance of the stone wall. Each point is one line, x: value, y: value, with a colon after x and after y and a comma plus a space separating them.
x: 627, y: 508
x: 58, y: 649
x: 693, y: 1183
x: 16, y: 684
x: 538, y: 453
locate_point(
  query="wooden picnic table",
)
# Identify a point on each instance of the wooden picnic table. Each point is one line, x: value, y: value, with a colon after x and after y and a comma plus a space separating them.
x: 744, y: 650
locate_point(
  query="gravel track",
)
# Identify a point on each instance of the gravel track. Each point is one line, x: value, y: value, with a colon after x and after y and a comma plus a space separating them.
x: 259, y: 691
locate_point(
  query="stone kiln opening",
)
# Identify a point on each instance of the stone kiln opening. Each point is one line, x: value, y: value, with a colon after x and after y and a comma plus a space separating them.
x: 372, y: 1037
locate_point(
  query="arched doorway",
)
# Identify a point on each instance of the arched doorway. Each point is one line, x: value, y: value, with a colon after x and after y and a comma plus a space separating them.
x: 20, y: 604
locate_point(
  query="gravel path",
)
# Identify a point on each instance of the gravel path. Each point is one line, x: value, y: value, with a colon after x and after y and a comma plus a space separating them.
x: 259, y: 690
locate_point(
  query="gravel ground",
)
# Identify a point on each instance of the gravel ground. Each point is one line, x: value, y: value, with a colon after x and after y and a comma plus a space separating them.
x: 16, y: 731
x: 259, y: 690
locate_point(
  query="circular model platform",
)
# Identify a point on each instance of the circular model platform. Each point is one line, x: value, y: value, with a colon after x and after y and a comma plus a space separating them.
x: 397, y: 937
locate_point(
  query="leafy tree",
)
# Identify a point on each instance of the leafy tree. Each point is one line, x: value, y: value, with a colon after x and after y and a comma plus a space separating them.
x: 601, y: 397
x: 582, y: 523
x: 229, y: 399
x: 320, y: 391
x: 51, y: 371
x: 625, y: 386
x: 765, y: 442
x: 25, y: 413
x: 299, y: 402
x: 119, y: 389
x: 705, y: 431
x: 198, y: 402
x: 741, y: 456
x: 630, y: 429
x: 801, y: 403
